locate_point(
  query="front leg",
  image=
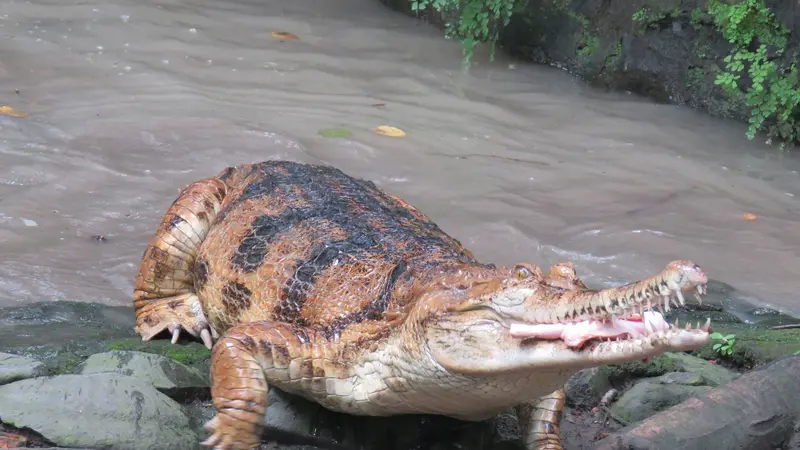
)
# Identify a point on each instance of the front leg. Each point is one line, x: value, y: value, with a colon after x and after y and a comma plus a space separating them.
x: 239, y: 386
x: 540, y: 421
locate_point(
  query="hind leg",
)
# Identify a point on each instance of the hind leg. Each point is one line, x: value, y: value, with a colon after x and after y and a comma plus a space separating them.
x: 164, y: 296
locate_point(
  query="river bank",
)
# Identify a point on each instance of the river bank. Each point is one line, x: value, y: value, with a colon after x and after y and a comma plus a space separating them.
x: 670, y: 51
x: 58, y: 358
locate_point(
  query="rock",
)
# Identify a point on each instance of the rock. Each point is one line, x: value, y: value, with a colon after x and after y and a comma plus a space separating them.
x: 587, y: 387
x: 291, y: 420
x: 13, y: 368
x: 167, y: 375
x: 691, y: 377
x: 618, y: 374
x: 711, y: 374
x: 754, y: 345
x: 650, y: 396
x: 755, y: 411
x: 63, y: 334
x: 102, y: 410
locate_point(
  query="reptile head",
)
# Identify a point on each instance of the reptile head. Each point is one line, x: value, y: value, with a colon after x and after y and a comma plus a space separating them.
x: 520, y: 319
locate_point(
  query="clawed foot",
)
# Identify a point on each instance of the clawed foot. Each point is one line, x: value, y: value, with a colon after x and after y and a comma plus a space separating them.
x: 175, y: 330
x: 228, y: 433
x: 175, y: 314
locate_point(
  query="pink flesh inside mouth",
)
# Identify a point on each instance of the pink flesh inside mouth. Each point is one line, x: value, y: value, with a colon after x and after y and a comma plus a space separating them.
x: 578, y: 333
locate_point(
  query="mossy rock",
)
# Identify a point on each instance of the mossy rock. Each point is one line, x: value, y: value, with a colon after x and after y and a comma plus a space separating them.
x: 754, y: 345
x: 620, y: 373
x: 189, y: 353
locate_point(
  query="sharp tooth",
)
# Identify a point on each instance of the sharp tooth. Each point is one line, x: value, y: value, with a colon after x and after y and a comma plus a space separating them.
x: 676, y: 323
x: 688, y: 326
x: 698, y: 326
x: 707, y: 326
x: 699, y: 300
x: 648, y: 328
x: 649, y: 305
x: 680, y: 297
x: 666, y: 303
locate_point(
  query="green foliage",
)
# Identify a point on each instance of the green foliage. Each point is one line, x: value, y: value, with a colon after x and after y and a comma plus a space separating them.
x: 773, y: 95
x: 724, y: 348
x: 641, y: 15
x: 478, y: 21
x: 696, y: 18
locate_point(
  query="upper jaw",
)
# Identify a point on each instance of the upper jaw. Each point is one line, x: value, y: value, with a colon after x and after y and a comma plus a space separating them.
x: 658, y: 291
x: 577, y: 316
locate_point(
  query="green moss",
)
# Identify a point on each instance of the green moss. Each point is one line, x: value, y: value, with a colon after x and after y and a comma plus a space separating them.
x: 754, y: 346
x: 696, y: 17
x: 696, y: 78
x: 645, y: 17
x: 619, y: 373
x: 189, y: 354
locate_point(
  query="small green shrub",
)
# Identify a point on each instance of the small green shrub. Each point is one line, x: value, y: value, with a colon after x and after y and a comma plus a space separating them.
x: 724, y: 348
x: 478, y: 21
x: 773, y: 94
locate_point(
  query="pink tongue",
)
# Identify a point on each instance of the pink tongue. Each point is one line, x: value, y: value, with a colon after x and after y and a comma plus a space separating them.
x: 575, y: 334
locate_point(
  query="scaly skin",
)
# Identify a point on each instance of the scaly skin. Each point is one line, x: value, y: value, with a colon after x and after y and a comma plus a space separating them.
x: 327, y: 287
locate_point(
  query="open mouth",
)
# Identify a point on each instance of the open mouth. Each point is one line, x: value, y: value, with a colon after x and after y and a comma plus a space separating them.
x: 584, y: 334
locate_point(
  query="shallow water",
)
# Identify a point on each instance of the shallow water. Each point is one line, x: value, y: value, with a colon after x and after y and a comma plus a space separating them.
x: 131, y: 100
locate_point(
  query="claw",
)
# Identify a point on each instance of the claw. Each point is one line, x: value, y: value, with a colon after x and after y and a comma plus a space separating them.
x: 176, y: 333
x: 205, y: 335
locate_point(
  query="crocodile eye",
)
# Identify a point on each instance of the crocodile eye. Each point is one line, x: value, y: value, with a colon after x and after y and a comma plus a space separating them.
x: 522, y: 272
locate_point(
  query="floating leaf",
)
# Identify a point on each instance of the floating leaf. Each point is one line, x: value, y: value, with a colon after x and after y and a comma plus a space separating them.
x: 335, y: 133
x: 284, y: 35
x: 386, y: 130
x: 11, y: 112
x: 748, y: 216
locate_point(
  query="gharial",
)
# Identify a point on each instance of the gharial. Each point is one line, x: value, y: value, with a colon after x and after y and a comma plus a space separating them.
x: 327, y: 287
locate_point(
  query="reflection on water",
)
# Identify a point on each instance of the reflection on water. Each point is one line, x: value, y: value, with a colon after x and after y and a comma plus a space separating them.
x: 131, y: 100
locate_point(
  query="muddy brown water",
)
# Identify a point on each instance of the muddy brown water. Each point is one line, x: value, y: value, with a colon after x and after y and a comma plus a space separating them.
x: 131, y: 100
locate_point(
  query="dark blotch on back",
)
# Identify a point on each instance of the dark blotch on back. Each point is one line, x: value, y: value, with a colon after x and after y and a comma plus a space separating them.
x: 350, y: 204
x: 374, y: 311
x: 236, y: 298
x: 296, y: 290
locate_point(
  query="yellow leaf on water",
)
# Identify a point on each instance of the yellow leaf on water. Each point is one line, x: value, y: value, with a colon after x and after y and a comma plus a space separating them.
x: 11, y: 112
x: 284, y: 35
x: 749, y: 216
x: 386, y: 130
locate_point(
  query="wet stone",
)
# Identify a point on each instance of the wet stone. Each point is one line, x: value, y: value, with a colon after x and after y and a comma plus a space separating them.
x: 587, y: 387
x: 103, y: 410
x: 167, y: 375
x: 13, y: 368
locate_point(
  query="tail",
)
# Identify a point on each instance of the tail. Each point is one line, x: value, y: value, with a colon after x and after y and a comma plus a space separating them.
x: 163, y: 295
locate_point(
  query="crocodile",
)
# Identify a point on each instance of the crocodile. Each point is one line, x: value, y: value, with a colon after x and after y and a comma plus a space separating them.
x: 303, y: 278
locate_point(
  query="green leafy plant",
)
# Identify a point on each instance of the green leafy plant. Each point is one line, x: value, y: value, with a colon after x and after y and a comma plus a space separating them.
x: 725, y: 347
x: 477, y: 20
x: 772, y: 95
